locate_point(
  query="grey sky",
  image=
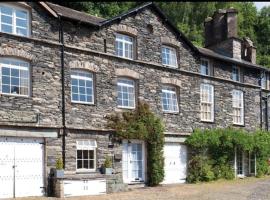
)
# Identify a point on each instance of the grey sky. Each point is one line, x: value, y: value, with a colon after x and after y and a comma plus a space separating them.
x: 259, y: 5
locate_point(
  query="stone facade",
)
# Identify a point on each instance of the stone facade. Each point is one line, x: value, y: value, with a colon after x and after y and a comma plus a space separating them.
x: 93, y: 49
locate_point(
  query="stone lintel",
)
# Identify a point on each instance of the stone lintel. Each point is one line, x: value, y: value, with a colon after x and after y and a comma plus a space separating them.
x: 170, y: 41
x: 126, y: 29
x: 8, y: 51
x: 127, y: 72
x: 19, y: 132
x: 171, y: 81
x: 175, y: 139
x: 84, y: 65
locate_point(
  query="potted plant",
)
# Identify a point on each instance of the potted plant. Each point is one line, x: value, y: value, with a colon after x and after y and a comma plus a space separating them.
x: 59, y: 168
x: 108, y: 165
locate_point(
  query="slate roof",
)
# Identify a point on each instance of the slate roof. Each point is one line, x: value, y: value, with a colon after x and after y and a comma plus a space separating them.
x: 75, y: 15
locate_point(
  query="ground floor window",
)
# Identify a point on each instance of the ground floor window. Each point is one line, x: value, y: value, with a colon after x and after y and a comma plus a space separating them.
x: 86, y: 155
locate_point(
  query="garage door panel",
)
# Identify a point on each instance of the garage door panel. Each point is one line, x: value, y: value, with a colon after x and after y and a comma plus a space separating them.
x: 175, y: 162
x: 27, y: 155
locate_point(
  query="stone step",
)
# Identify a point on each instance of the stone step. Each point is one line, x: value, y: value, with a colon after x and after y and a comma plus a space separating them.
x: 136, y: 185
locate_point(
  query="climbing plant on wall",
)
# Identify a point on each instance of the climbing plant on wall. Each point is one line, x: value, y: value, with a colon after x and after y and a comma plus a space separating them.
x: 144, y: 125
x: 213, y: 152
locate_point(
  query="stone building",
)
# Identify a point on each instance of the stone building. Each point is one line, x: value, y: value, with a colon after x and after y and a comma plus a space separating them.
x: 63, y: 71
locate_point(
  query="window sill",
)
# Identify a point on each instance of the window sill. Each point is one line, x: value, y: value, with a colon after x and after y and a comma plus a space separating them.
x: 13, y: 34
x: 128, y: 108
x: 86, y: 171
x: 171, y: 112
x: 239, y: 125
x: 84, y: 103
x: 125, y: 57
x: 170, y: 66
x: 15, y: 95
x: 209, y: 122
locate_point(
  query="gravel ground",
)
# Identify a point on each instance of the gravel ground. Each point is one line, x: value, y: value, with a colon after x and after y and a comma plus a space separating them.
x: 245, y: 189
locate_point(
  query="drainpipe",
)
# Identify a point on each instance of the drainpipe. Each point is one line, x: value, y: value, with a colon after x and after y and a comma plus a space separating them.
x: 261, y: 110
x: 266, y: 112
x: 61, y: 41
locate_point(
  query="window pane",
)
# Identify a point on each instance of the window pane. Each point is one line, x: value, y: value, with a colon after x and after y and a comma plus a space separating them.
x: 75, y: 97
x: 79, y: 154
x: 91, y: 164
x: 6, y: 89
x: 6, y: 10
x: 6, y: 19
x: 21, y: 14
x: 6, y: 28
x: 79, y: 164
x: 85, y: 164
x: 5, y: 71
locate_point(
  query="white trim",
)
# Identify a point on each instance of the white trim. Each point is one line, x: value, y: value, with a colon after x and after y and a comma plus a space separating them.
x: 172, y: 52
x: 211, y: 102
x: 208, y: 66
x: 240, y: 94
x: 123, y: 41
x: 128, y: 86
x: 172, y: 91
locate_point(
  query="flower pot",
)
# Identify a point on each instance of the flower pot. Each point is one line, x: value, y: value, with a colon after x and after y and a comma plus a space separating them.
x: 58, y: 173
x: 108, y: 171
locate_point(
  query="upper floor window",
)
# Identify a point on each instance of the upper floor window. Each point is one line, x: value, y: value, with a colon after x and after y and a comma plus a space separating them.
x: 124, y: 46
x: 265, y: 81
x: 14, y: 20
x: 205, y: 68
x: 207, y: 102
x: 238, y: 107
x: 169, y: 99
x: 236, y: 73
x: 14, y: 77
x: 169, y: 56
x: 86, y: 155
x: 82, y: 87
x: 126, y: 93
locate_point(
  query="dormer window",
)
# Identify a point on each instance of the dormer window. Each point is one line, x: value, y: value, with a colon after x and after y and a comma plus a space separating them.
x: 169, y: 56
x: 124, y: 45
x: 236, y: 73
x: 14, y: 20
x: 205, y: 68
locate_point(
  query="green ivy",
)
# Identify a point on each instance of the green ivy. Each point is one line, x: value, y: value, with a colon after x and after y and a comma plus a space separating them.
x: 214, y: 150
x: 144, y: 125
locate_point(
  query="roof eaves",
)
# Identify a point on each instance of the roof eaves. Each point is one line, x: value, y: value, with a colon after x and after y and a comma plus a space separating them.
x: 51, y: 11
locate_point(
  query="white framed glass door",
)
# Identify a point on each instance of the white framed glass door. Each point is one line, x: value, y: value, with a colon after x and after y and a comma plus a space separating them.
x: 133, y: 161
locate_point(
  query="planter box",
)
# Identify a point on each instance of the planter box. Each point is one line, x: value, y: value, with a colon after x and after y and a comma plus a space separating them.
x: 58, y: 173
x: 108, y: 171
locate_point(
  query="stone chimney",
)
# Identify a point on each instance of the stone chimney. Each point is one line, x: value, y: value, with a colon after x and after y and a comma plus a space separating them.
x: 220, y: 27
x: 248, y: 50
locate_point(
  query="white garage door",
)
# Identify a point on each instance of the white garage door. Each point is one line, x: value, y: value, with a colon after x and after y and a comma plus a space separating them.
x: 175, y: 155
x: 21, y: 167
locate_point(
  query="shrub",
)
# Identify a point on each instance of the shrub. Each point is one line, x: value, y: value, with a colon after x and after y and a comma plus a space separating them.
x: 108, y: 162
x: 59, y: 164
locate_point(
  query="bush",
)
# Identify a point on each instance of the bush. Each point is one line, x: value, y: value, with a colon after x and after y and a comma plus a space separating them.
x: 59, y: 164
x: 216, y: 149
x: 199, y: 169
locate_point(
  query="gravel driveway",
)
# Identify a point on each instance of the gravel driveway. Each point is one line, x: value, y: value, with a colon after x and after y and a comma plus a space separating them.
x: 249, y: 188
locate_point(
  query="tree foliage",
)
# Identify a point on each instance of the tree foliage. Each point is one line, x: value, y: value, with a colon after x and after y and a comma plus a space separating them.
x: 189, y: 18
x: 144, y: 125
x: 213, y: 152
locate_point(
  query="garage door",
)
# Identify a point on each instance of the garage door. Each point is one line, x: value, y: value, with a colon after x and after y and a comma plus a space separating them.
x: 21, y: 167
x: 175, y: 155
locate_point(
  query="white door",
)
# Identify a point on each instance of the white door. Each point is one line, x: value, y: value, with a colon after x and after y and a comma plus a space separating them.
x: 175, y: 167
x: 133, y: 161
x: 21, y: 167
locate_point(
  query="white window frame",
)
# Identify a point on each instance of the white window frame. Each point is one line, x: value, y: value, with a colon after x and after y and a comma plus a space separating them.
x: 85, y: 79
x: 124, y: 42
x: 27, y: 68
x: 14, y: 26
x: 235, y: 105
x: 172, y: 92
x: 87, y: 145
x: 234, y: 75
x: 265, y: 81
x: 208, y: 67
x: 204, y: 89
x: 172, y: 50
x: 130, y: 86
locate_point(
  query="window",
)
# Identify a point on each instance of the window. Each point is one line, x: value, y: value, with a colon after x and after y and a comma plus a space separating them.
x: 86, y: 155
x: 126, y: 93
x: 205, y: 69
x: 207, y: 102
x: 236, y: 73
x: 82, y: 87
x: 238, y: 107
x: 264, y: 81
x: 169, y: 56
x: 14, y: 20
x: 169, y: 99
x: 14, y: 77
x: 124, y: 46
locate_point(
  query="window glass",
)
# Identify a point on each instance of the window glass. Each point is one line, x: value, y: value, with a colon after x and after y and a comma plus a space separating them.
x: 124, y: 46
x: 86, y: 154
x: 82, y: 87
x: 14, y: 77
x: 126, y: 93
x: 14, y: 20
x: 236, y: 73
x: 205, y: 67
x: 207, y: 102
x: 169, y: 56
x: 169, y: 99
x: 238, y: 107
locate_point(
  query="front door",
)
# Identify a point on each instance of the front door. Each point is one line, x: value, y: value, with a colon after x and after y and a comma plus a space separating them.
x: 133, y: 161
x: 240, y: 163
